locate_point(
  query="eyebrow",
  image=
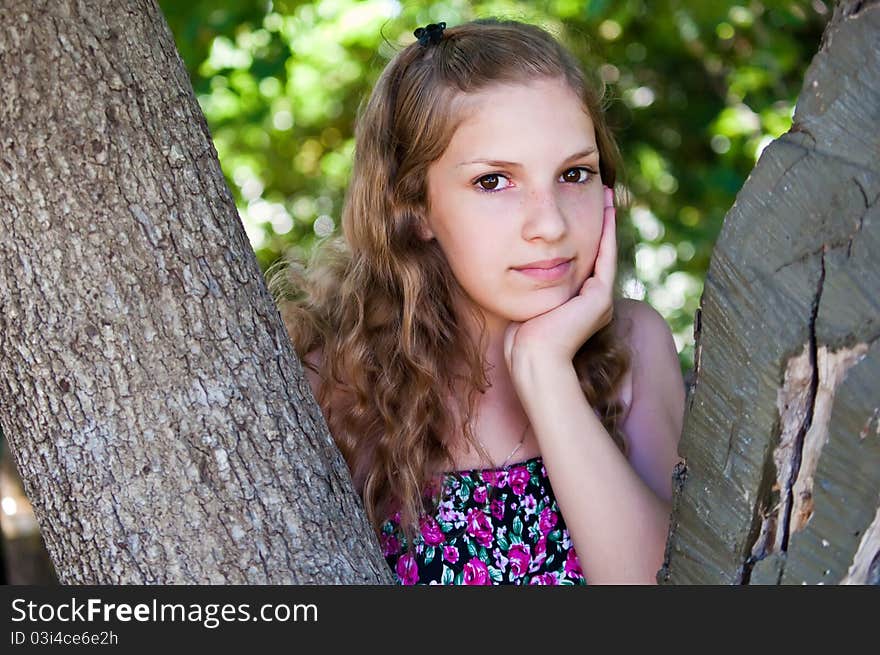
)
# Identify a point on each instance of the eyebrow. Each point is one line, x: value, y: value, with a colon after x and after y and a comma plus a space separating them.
x: 513, y: 164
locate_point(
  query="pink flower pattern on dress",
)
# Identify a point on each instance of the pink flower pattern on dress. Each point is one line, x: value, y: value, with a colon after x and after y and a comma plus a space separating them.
x: 407, y: 569
x: 450, y: 554
x: 572, y: 566
x: 540, y: 553
x: 431, y: 532
x: 390, y: 544
x: 519, y: 557
x: 493, y: 526
x: 547, y: 520
x: 518, y: 479
x: 494, y: 477
x: 544, y: 579
x: 476, y: 572
x: 479, y: 527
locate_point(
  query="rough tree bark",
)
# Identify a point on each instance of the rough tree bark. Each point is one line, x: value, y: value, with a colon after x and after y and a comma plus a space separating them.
x: 156, y: 410
x: 782, y: 434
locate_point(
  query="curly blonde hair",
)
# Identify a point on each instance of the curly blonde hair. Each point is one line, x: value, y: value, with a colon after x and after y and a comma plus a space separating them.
x: 378, y: 300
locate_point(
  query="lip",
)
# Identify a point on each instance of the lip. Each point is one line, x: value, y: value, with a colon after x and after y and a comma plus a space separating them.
x: 548, y: 269
x: 544, y: 263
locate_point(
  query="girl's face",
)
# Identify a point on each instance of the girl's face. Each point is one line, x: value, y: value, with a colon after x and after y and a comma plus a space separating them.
x: 519, y: 183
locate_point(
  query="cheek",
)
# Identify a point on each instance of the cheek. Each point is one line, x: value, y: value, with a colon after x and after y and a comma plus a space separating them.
x: 587, y: 214
x: 584, y: 203
x: 468, y: 253
x: 469, y: 235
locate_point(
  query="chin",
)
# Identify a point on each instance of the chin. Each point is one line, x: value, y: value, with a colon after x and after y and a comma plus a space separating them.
x: 548, y: 302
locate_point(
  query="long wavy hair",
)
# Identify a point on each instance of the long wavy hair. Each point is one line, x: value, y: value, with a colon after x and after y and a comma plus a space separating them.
x: 377, y: 302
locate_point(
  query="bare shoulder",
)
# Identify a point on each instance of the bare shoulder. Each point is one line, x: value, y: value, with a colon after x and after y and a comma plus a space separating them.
x: 654, y: 418
x: 638, y: 322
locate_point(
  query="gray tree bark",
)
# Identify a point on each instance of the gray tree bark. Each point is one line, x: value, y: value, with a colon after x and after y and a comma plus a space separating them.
x: 149, y: 393
x: 782, y: 433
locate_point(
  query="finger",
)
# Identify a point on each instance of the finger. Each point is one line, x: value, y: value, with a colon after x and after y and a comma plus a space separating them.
x: 606, y: 259
x: 609, y: 197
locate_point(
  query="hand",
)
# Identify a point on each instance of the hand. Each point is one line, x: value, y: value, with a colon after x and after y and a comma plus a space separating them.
x: 558, y: 333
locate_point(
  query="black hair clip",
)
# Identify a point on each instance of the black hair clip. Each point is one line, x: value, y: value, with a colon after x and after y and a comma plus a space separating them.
x: 431, y: 33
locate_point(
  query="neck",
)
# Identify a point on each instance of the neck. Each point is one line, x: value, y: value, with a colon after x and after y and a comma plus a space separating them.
x: 499, y: 375
x: 500, y: 405
x: 499, y: 417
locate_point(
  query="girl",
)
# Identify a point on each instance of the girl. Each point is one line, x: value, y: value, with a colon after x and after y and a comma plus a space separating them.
x: 505, y: 418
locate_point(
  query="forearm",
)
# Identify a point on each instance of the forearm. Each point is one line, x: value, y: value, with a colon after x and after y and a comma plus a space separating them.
x: 617, y: 523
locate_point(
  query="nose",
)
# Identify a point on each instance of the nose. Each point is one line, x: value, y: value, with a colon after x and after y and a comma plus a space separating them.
x: 544, y: 217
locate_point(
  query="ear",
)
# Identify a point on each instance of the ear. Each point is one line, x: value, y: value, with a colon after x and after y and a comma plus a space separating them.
x: 425, y: 232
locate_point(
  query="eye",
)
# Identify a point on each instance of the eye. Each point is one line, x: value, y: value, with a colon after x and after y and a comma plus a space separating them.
x: 491, y: 182
x: 577, y: 175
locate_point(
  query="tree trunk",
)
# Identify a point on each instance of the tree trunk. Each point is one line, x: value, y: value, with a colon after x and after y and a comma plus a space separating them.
x: 782, y: 435
x: 148, y: 390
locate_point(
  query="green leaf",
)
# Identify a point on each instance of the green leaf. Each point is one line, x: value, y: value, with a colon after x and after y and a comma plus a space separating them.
x: 459, y: 578
x: 556, y: 535
x: 429, y: 554
x: 495, y: 574
x: 503, y: 544
x: 517, y: 526
x: 472, y: 549
x: 596, y: 8
x: 448, y: 576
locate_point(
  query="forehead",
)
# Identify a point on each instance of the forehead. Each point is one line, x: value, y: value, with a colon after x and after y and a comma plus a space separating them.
x: 523, y: 114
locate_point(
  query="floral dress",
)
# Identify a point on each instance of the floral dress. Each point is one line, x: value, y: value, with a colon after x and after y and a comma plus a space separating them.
x: 492, y: 526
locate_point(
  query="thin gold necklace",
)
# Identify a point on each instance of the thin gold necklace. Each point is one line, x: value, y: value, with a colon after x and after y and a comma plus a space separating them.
x: 522, y: 440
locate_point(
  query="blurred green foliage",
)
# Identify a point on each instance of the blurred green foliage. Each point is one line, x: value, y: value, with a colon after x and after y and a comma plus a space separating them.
x: 696, y: 90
